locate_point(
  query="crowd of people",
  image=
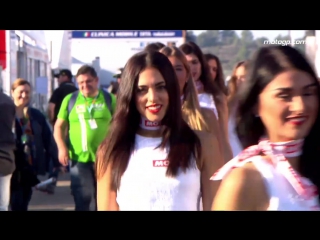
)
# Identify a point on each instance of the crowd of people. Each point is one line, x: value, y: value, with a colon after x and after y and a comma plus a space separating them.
x: 170, y: 134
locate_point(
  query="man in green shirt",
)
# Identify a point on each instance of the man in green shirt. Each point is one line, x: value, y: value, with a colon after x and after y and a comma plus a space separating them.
x: 88, y: 123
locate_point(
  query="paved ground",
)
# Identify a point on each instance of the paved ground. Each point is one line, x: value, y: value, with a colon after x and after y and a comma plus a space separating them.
x: 60, y: 201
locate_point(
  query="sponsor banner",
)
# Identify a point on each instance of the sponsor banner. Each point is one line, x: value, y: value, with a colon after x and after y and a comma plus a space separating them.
x: 128, y: 34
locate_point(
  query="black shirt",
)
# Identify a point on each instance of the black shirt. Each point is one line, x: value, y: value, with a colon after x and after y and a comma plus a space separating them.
x: 59, y: 94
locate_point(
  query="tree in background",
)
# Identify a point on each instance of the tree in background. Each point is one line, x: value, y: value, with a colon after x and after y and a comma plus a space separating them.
x: 190, y: 36
x: 231, y: 48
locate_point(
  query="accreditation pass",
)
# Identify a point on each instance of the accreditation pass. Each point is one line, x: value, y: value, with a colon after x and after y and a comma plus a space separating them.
x: 93, y: 124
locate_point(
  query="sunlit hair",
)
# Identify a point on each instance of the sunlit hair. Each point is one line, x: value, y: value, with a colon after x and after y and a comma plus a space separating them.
x: 116, y: 149
x: 190, y: 105
x: 19, y: 82
x: 267, y: 63
x: 205, y: 77
x: 154, y: 46
x: 220, y: 80
x: 232, y: 84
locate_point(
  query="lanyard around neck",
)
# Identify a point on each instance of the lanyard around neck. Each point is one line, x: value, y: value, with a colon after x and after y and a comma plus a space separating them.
x: 89, y: 108
x: 23, y: 122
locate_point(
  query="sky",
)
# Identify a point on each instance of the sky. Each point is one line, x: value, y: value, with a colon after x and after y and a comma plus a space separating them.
x: 271, y: 34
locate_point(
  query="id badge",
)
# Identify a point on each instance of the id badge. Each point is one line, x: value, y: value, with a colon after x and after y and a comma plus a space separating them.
x: 93, y: 124
x: 24, y: 138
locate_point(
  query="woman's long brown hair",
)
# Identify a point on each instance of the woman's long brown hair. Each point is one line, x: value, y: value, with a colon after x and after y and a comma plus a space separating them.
x: 205, y: 77
x: 232, y: 84
x: 190, y: 106
x: 116, y: 149
x: 220, y: 80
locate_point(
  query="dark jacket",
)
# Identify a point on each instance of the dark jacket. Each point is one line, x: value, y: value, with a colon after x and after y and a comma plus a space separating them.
x: 7, y: 141
x: 44, y: 149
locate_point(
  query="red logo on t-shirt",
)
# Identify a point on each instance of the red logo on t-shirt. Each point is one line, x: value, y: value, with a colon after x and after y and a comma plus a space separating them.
x: 151, y: 124
x: 161, y: 163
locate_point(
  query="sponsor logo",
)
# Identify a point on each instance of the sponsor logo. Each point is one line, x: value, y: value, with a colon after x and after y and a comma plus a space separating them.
x: 80, y: 108
x: 161, y: 163
x: 98, y: 106
x: 151, y: 124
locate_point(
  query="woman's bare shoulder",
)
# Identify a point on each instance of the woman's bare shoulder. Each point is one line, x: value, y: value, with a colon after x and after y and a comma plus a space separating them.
x: 247, y: 174
x: 207, y: 113
x: 222, y: 104
x: 244, y: 179
x: 244, y: 189
x: 209, y: 144
x: 204, y: 136
x: 210, y: 119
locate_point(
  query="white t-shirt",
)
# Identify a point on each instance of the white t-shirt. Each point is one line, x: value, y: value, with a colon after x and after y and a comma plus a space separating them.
x: 282, y: 196
x: 145, y: 186
x: 233, y: 137
x: 206, y: 100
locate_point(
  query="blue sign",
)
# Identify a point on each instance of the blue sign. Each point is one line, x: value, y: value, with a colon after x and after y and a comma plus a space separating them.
x: 42, y: 85
x: 128, y: 34
x: 142, y: 44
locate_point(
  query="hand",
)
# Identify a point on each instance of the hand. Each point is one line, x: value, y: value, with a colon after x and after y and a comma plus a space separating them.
x: 63, y: 156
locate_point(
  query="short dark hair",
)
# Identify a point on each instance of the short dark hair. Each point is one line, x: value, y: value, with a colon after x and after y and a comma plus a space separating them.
x: 154, y: 46
x: 86, y: 69
x: 114, y: 87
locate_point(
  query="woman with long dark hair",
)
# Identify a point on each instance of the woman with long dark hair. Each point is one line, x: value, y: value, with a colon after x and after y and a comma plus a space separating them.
x: 279, y: 124
x: 209, y: 93
x: 152, y: 159
x: 237, y: 78
x: 216, y: 71
x: 198, y: 118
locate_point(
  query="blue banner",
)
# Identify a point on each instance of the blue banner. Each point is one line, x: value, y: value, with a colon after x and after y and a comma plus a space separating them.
x: 128, y: 34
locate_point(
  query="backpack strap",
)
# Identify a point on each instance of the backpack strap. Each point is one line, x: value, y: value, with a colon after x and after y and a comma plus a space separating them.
x: 108, y: 99
x: 72, y: 101
x: 106, y: 95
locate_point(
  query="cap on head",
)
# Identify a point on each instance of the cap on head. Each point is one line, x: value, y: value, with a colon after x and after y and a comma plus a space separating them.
x: 119, y: 73
x: 65, y: 72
